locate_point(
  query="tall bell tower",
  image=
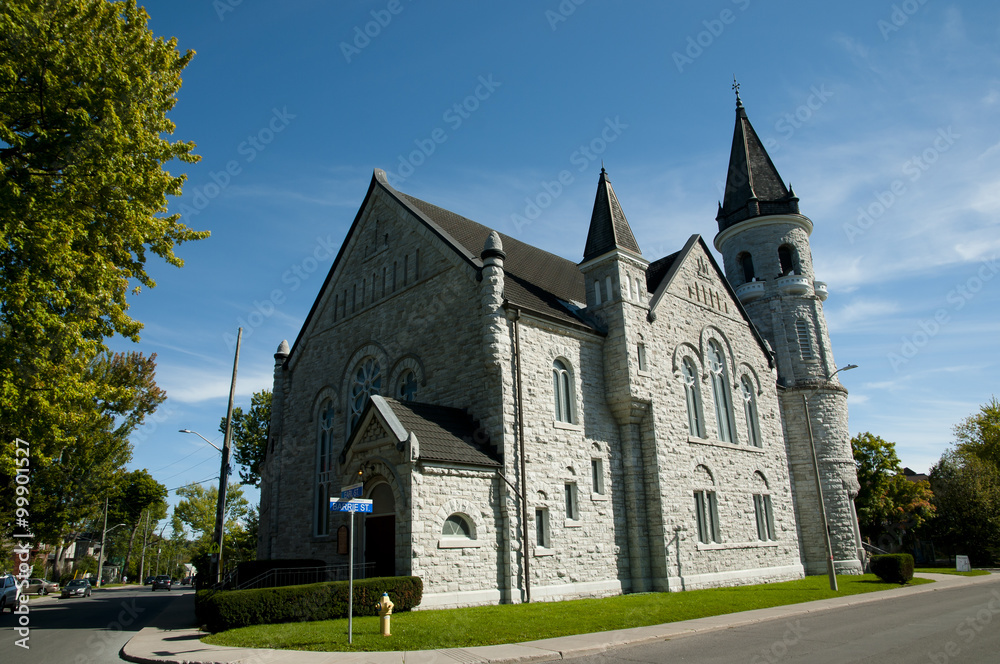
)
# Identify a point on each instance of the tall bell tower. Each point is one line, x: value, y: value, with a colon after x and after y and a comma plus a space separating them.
x: 764, y: 241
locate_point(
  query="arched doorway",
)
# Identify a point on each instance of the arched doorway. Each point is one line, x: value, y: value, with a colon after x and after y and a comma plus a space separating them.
x: 380, y: 531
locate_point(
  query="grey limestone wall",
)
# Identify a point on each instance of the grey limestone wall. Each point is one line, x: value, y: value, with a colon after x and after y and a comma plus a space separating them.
x: 397, y: 293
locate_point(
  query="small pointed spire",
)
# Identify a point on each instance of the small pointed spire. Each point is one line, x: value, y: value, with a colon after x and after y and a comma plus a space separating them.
x: 609, y: 229
x: 753, y: 183
x: 493, y: 247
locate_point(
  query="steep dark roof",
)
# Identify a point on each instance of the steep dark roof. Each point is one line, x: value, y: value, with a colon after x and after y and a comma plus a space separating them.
x: 753, y: 186
x: 609, y: 229
x: 659, y: 269
x: 534, y: 279
x: 443, y: 433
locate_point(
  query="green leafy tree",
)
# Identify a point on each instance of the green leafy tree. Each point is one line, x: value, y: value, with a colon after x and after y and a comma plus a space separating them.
x: 198, y: 509
x: 249, y: 436
x: 68, y: 490
x: 966, y: 484
x: 887, y: 501
x: 85, y: 89
x: 979, y: 434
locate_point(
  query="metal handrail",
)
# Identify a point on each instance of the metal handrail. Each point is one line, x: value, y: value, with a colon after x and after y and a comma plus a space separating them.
x: 290, y: 576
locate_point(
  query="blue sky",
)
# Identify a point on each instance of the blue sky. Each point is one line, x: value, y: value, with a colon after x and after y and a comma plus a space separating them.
x: 882, y: 115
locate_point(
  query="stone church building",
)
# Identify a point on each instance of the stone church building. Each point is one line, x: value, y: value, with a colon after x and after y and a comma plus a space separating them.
x: 533, y: 428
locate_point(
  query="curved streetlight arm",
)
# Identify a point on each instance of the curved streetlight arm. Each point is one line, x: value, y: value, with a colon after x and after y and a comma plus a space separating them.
x: 847, y: 368
x: 200, y: 436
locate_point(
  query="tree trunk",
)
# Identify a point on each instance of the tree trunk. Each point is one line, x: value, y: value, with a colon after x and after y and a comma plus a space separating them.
x: 131, y: 539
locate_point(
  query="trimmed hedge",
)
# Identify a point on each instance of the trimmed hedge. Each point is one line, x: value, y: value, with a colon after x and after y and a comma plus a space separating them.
x: 227, y: 609
x: 893, y: 567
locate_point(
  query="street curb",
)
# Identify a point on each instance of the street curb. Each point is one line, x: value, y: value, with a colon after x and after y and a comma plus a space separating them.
x: 182, y: 645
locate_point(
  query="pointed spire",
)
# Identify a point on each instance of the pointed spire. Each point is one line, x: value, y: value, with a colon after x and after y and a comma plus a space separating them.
x: 753, y: 186
x: 609, y: 229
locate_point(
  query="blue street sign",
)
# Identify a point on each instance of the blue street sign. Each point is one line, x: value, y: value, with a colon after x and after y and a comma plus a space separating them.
x: 353, y: 491
x: 353, y: 505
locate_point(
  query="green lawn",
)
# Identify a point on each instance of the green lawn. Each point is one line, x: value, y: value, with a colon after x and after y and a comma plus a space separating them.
x: 949, y: 570
x: 514, y: 623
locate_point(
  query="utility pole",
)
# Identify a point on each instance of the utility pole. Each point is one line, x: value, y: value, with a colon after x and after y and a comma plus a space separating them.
x: 145, y: 539
x: 220, y: 511
x: 159, y: 547
x: 104, y: 533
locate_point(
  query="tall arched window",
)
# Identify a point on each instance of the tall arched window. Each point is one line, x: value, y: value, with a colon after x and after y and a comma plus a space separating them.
x: 750, y: 410
x: 746, y: 263
x: 324, y: 467
x: 786, y: 256
x: 720, y: 392
x: 562, y: 387
x: 597, y: 293
x: 692, y: 396
x: 367, y: 381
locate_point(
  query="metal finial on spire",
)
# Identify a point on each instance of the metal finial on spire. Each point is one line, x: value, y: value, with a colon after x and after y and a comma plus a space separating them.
x: 736, y: 87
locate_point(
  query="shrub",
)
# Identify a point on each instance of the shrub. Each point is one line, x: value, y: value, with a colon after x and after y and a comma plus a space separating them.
x: 893, y: 567
x: 227, y: 609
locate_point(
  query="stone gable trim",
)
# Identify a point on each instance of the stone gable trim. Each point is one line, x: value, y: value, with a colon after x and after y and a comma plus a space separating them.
x: 376, y: 408
x: 668, y: 279
x: 378, y: 183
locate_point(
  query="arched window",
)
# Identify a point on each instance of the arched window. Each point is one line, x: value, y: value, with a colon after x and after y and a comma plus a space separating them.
x: 720, y: 392
x: 324, y: 467
x: 750, y: 410
x: 628, y: 287
x: 786, y: 256
x: 746, y: 263
x: 805, y: 343
x: 406, y: 387
x: 456, y: 526
x: 562, y: 387
x: 367, y: 381
x: 763, y: 511
x: 693, y: 398
x: 597, y: 293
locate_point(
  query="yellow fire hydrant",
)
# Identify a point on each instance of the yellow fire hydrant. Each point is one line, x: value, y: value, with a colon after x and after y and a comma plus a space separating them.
x: 384, y: 611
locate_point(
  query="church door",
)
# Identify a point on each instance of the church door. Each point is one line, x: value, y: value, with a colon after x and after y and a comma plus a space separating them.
x: 380, y: 532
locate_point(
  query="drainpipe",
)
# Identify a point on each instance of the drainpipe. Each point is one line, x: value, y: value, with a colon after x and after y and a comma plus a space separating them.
x: 520, y: 446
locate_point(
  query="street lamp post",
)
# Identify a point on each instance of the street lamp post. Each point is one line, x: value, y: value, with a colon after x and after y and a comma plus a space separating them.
x: 220, y: 507
x: 830, y: 569
x: 104, y: 534
x: 224, y: 469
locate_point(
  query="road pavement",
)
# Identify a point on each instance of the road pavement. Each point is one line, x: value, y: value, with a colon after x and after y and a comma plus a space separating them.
x: 765, y: 635
x: 959, y: 624
x: 81, y: 630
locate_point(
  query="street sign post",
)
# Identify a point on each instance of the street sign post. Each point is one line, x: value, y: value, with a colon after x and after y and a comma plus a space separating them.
x: 353, y: 491
x: 352, y: 505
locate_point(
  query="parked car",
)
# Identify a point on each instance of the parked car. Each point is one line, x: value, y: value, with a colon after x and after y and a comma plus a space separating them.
x: 162, y: 581
x: 149, y: 580
x: 187, y: 581
x: 10, y: 590
x: 41, y: 586
x: 76, y: 588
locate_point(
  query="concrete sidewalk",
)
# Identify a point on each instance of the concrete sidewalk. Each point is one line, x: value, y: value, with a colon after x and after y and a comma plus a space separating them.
x: 177, y: 642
